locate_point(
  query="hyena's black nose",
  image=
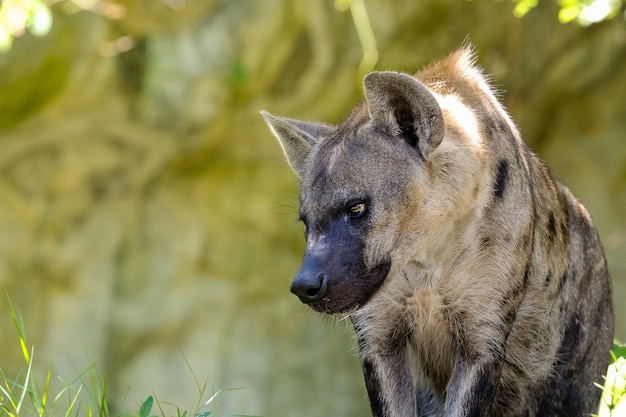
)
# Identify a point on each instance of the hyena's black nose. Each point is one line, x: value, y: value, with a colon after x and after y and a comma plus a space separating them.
x: 310, y: 287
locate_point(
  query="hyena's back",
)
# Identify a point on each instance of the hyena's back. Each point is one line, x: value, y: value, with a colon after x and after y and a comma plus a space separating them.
x: 559, y: 299
x: 558, y: 347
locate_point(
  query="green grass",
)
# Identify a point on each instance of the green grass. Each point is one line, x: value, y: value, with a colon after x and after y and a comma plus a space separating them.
x: 86, y: 394
x: 83, y: 396
x: 612, y: 403
x: 23, y: 395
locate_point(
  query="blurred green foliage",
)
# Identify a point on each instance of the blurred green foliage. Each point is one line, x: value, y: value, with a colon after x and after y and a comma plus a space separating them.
x: 35, y: 16
x: 583, y: 12
x: 17, y: 16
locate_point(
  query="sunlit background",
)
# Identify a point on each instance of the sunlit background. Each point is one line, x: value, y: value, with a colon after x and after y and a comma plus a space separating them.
x: 147, y: 216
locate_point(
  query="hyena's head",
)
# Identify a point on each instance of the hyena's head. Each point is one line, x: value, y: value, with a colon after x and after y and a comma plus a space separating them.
x: 365, y: 189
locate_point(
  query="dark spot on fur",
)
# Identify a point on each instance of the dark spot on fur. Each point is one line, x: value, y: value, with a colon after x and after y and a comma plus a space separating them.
x: 485, y: 385
x: 512, y: 300
x: 562, y: 282
x: 571, y: 338
x: 373, y: 389
x: 551, y: 393
x: 526, y: 276
x: 501, y: 178
x: 548, y: 279
x: 573, y: 403
x: 559, y: 396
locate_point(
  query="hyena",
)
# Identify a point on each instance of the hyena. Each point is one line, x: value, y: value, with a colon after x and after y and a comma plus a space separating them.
x: 475, y: 281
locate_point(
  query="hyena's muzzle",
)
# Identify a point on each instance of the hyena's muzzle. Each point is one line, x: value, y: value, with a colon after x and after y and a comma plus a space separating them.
x: 334, y: 277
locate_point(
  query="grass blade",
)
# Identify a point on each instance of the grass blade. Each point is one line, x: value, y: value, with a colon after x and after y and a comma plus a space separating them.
x: 104, y: 410
x: 73, y: 402
x: 17, y: 322
x: 25, y: 387
x: 44, y: 394
x: 6, y: 393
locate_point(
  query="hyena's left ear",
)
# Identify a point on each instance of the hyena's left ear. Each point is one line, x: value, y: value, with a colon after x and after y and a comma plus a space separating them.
x: 403, y: 105
x: 297, y: 138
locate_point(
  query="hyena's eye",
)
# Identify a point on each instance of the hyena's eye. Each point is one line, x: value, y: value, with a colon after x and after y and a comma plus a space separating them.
x: 356, y: 208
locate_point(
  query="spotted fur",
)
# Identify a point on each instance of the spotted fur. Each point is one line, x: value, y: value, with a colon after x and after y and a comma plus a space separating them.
x: 475, y: 281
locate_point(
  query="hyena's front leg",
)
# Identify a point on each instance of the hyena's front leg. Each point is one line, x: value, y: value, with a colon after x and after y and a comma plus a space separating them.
x: 472, y: 388
x: 389, y: 385
x: 387, y: 376
x: 481, y: 349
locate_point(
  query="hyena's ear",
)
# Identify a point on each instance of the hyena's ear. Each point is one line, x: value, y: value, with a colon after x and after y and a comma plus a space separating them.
x: 404, y: 106
x: 297, y: 138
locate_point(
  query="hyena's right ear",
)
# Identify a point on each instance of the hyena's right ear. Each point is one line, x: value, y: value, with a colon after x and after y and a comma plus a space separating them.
x: 404, y: 106
x: 297, y: 138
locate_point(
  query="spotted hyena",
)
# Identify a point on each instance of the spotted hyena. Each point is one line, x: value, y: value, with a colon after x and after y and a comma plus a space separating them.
x: 475, y: 281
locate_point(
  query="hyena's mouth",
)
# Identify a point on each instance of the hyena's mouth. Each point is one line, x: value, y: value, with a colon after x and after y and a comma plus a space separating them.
x: 346, y: 295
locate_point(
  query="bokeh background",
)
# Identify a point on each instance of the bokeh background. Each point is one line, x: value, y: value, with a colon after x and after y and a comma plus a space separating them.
x: 148, y: 218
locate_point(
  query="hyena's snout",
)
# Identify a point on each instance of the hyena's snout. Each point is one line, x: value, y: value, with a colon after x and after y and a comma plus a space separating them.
x: 333, y: 277
x: 311, y: 282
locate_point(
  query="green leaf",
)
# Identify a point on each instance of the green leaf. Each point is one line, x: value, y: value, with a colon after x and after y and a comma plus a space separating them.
x: 144, y: 411
x: 619, y: 350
